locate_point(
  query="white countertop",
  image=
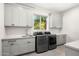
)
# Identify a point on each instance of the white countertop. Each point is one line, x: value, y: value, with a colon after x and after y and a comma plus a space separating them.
x: 73, y: 45
x: 59, y: 33
x: 17, y: 36
x: 23, y: 36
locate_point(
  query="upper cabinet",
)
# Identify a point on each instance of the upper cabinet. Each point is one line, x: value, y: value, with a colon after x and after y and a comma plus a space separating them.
x: 55, y: 21
x: 8, y: 16
x: 29, y: 17
x: 18, y: 16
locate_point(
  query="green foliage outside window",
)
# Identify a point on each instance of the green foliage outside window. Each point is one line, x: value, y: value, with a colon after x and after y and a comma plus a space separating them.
x: 39, y: 22
x: 43, y: 22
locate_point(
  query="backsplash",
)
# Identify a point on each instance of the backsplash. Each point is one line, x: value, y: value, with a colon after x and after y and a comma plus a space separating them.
x: 15, y: 30
x: 23, y: 31
x: 54, y: 31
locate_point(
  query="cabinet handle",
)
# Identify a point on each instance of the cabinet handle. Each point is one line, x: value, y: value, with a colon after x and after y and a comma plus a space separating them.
x: 28, y: 42
x: 13, y: 24
x: 11, y: 44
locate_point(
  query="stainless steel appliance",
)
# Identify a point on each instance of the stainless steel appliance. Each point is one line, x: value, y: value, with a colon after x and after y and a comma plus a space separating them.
x: 44, y: 41
x: 52, y: 43
x: 41, y: 43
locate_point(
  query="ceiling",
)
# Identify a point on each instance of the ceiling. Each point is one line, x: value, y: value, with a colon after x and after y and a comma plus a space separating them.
x: 60, y: 7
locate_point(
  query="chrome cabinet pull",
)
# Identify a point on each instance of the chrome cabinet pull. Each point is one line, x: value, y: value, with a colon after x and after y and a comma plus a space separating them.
x: 13, y: 24
x: 28, y: 42
x: 11, y: 44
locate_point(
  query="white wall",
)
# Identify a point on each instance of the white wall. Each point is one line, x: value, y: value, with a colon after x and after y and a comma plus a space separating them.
x: 15, y: 31
x: 1, y: 24
x: 71, y: 24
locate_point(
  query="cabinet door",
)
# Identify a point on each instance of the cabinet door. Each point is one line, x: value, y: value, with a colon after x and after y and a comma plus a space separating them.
x: 8, y: 15
x: 58, y: 20
x: 5, y: 48
x: 22, y: 17
x: 29, y: 18
x: 51, y: 21
x: 55, y: 21
x: 31, y: 45
x: 19, y: 16
x: 61, y: 39
x: 26, y: 45
x: 22, y: 46
x: 14, y: 48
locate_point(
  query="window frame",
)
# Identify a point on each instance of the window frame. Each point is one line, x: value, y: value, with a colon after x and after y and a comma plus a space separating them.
x: 40, y: 22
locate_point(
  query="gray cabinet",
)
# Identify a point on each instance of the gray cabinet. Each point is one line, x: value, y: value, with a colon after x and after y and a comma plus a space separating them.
x: 8, y: 15
x: 18, y: 16
x: 55, y: 21
x: 7, y: 47
x: 27, y: 45
x: 29, y: 19
x: 17, y: 46
x: 61, y: 39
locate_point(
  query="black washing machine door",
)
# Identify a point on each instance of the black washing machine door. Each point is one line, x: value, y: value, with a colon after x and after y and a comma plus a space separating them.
x: 41, y: 43
x: 52, y: 41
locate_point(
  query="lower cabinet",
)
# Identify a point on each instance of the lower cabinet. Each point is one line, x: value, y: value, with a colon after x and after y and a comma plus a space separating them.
x: 17, y: 46
x: 61, y: 39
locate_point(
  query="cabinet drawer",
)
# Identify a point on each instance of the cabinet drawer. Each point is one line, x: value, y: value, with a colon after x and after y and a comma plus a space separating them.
x: 25, y: 41
x: 31, y: 40
x: 21, y: 42
x: 7, y: 43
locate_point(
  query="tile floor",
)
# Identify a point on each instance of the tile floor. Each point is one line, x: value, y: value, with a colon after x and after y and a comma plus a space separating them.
x: 59, y: 51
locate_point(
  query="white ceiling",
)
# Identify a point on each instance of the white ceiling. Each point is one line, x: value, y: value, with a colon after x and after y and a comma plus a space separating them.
x: 60, y: 7
x: 57, y: 6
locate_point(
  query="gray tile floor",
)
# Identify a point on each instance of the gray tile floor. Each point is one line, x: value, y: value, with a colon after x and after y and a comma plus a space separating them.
x: 59, y: 51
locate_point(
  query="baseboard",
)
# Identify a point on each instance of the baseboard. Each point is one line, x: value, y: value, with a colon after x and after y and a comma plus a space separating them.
x: 25, y: 53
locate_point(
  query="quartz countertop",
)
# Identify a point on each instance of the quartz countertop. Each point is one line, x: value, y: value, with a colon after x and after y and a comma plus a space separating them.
x: 59, y: 33
x: 73, y: 45
x: 17, y: 37
x: 22, y: 36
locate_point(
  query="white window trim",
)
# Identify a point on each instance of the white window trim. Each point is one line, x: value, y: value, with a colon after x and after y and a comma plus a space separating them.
x: 40, y: 23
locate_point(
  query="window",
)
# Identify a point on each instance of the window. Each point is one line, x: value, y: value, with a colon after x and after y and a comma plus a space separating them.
x: 40, y: 22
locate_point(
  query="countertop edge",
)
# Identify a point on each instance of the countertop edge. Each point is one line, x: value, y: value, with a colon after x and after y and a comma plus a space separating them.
x: 70, y: 45
x: 17, y: 38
